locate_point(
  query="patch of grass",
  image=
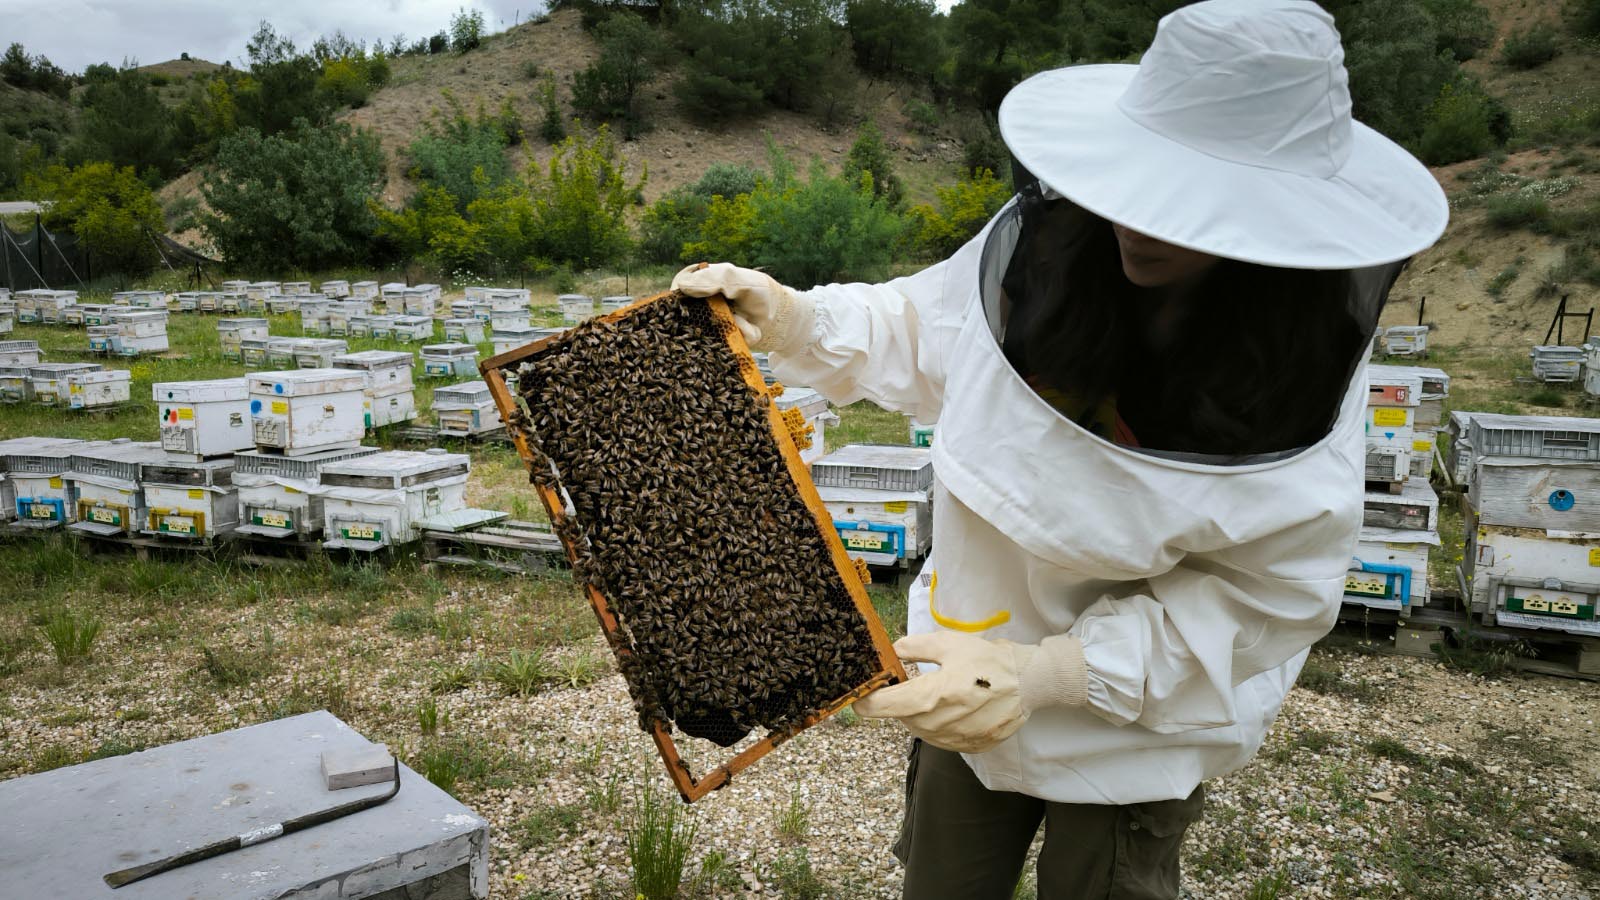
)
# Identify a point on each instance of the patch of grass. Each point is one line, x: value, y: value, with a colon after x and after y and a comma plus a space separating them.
x: 13, y: 645
x: 1227, y: 856
x: 795, y: 878
x: 581, y: 669
x: 1529, y: 47
x: 546, y: 824
x: 71, y: 634
x: 795, y: 821
x: 848, y: 717
x: 1502, y: 280
x: 1391, y: 749
x: 1316, y: 740
x: 521, y: 672
x: 448, y: 763
x: 1270, y: 887
x: 1549, y: 397
x: 660, y: 836
x: 448, y: 679
x: 1488, y: 658
x: 139, y: 713
x: 716, y: 876
x: 54, y: 756
x: 1330, y: 681
x: 231, y: 666
x: 428, y: 716
x: 890, y: 603
x: 1526, y: 748
x: 413, y: 621
x: 1518, y: 210
x: 113, y: 746
x: 605, y: 797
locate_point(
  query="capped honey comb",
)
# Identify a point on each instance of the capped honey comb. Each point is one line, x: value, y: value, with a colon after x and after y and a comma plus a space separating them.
x: 713, y: 566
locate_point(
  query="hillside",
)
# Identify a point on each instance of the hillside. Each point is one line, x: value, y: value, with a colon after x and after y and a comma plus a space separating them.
x: 676, y: 151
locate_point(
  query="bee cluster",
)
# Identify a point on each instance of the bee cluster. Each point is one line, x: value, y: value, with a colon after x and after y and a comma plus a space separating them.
x: 688, y: 522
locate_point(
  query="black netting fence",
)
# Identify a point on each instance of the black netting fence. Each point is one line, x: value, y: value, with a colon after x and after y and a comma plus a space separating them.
x: 41, y: 258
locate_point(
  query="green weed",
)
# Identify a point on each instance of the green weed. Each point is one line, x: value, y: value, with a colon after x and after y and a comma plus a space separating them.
x: 231, y: 666
x: 660, y: 836
x: 1391, y: 749
x: 428, y: 716
x: 71, y: 634
x: 521, y: 672
x: 795, y: 820
x: 547, y: 824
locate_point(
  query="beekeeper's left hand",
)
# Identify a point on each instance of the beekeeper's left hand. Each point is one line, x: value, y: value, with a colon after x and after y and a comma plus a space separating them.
x: 984, y: 690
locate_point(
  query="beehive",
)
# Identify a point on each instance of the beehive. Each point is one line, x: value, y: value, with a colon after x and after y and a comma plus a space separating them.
x: 16, y: 384
x: 281, y: 496
x: 881, y: 467
x: 184, y: 301
x: 411, y: 328
x: 89, y: 390
x: 280, y: 352
x: 48, y: 387
x: 502, y: 298
x: 318, y: 353
x: 1390, y: 569
x: 207, y: 302
x: 33, y: 483
x: 231, y: 332
x: 575, y: 308
x: 304, y: 411
x: 297, y: 288
x: 508, y: 339
x: 387, y: 394
x: 281, y: 304
x: 612, y: 304
x: 141, y: 331
x: 314, y: 316
x: 376, y: 501
x: 508, y: 318
x: 449, y: 360
x: 342, y: 313
x: 253, y: 352
x: 464, y: 330
x: 811, y: 414
x: 263, y: 290
x: 200, y: 419
x: 1531, y: 578
x: 8, y: 321
x: 74, y: 314
x: 466, y: 409
x: 20, y: 353
x: 235, y: 286
x: 1535, y: 437
x: 107, y: 496
x: 364, y: 290
x: 711, y: 562
x: 1415, y: 508
x: 190, y: 500
x: 1557, y: 365
x: 336, y: 289
x: 1406, y: 340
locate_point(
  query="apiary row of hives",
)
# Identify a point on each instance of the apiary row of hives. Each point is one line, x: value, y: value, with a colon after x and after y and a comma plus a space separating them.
x: 1400, y: 513
x: 1532, y: 556
x: 26, y: 378
x: 275, y: 455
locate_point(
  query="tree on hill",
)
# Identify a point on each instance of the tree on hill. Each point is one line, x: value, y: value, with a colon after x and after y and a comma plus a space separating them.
x: 895, y: 37
x: 609, y: 89
x: 33, y: 73
x: 108, y: 208
x: 869, y: 155
x: 125, y: 123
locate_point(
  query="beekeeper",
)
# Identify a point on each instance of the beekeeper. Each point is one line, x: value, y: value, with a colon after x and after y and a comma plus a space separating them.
x: 1148, y: 377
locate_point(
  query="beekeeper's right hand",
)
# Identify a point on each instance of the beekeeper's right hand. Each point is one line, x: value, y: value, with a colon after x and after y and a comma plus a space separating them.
x: 771, y: 317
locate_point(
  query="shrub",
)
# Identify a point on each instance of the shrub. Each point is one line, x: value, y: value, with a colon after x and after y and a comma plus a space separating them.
x: 924, y: 118
x: 609, y: 88
x: 109, y: 209
x: 1586, y: 17
x: 870, y: 155
x: 466, y: 30
x: 522, y: 672
x: 438, y: 43
x: 1517, y: 210
x: 345, y: 83
x: 726, y: 180
x: 660, y: 837
x: 580, y: 202
x: 669, y: 224
x: 1457, y: 128
x: 71, y: 635
x: 551, y: 125
x: 963, y: 209
x: 1530, y: 47
x: 464, y: 156
x: 1464, y: 26
x: 298, y: 200
x: 236, y: 666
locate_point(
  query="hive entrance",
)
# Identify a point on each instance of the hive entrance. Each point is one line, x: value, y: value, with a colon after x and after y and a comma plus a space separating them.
x: 736, y: 616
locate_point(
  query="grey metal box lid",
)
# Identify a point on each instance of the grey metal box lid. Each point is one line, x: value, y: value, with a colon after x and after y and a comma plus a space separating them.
x: 210, y: 391
x: 116, y: 459
x: 301, y: 467
x: 1537, y: 437
x: 189, y: 473
x: 17, y: 346
x: 374, y: 359
x: 230, y: 324
x: 396, y: 469
x: 306, y: 382
x: 468, y: 394
x: 54, y: 370
x: 883, y: 466
x: 42, y: 455
x: 449, y: 350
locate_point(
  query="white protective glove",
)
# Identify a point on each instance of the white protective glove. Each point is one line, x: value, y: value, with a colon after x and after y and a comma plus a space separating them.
x: 984, y: 690
x: 771, y: 316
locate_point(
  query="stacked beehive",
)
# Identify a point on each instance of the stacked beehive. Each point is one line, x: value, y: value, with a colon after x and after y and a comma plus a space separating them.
x: 881, y: 500
x: 465, y: 410
x: 1557, y: 364
x: 190, y: 493
x: 1400, y: 517
x: 376, y: 501
x: 105, y: 490
x: 1532, y: 558
x: 38, y: 492
x: 388, y: 389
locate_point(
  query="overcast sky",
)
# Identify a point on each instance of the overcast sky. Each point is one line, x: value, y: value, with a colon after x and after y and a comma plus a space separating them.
x: 75, y: 33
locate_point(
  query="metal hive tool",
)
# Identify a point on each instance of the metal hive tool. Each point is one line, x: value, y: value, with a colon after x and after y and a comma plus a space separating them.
x: 676, y: 486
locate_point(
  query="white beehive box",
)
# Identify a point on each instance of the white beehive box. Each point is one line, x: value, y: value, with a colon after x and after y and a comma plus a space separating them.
x: 341, y: 313
x: 1405, y: 340
x: 95, y: 314
x: 1553, y: 495
x: 230, y: 332
x: 364, y: 290
x: 462, y: 309
x: 307, y: 410
x: 423, y: 300
x: 814, y: 407
x: 506, y: 340
x: 105, y: 339
x: 263, y: 290
x: 208, y: 302
x: 8, y: 321
x: 318, y: 353
x: 236, y: 286
x: 49, y: 388
x: 1390, y: 569
x: 1535, y: 437
x: 120, y: 298
x: 465, y: 409
x: 481, y: 310
x: 234, y: 304
x: 16, y: 384
x: 88, y: 390
x: 1415, y: 508
x: 314, y: 316
x: 36, y: 472
x: 190, y: 500
x: 883, y: 467
x: 74, y: 314
x: 282, y: 304
x: 43, y: 306
x: 413, y: 328
x: 107, y: 496
x: 381, y: 410
x: 24, y: 447
x: 377, y: 326
x: 1389, y: 465
x: 575, y: 308
x: 253, y: 351
x: 297, y: 287
x: 280, y: 352
x: 881, y: 528
x: 20, y: 353
x: 184, y: 301
x: 449, y: 360
x: 1557, y: 365
x: 141, y: 330
x: 336, y: 289
x: 376, y: 501
x: 465, y: 331
x: 1523, y: 578
x: 508, y: 318
x: 612, y: 304
x: 281, y: 496
x: 384, y: 370
x: 200, y: 419
x: 1391, y: 426
x: 505, y: 298
x: 147, y: 299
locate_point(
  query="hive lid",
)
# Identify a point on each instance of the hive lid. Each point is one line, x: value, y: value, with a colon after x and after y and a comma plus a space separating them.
x: 252, y: 461
x: 61, y: 448
x: 884, y: 456
x: 395, y: 468
x: 56, y: 370
x: 469, y: 392
x: 373, y: 359
x: 451, y: 349
x: 306, y: 382
x: 119, y: 451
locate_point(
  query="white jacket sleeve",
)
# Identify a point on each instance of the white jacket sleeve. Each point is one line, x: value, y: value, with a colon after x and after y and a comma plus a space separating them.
x: 1170, y: 659
x: 887, y: 343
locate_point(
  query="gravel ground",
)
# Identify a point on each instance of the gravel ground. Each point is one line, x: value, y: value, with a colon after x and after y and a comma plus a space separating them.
x: 1384, y: 777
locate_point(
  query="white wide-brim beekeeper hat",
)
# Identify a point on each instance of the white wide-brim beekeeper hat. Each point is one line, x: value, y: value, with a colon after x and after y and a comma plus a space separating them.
x: 1232, y: 136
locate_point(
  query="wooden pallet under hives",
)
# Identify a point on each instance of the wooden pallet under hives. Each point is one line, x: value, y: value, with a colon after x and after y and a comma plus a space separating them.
x: 888, y: 667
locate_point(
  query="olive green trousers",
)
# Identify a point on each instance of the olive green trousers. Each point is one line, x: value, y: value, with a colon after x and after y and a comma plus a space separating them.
x: 962, y: 841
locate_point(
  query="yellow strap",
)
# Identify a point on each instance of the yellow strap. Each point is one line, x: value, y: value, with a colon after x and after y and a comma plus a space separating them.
x: 999, y: 618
